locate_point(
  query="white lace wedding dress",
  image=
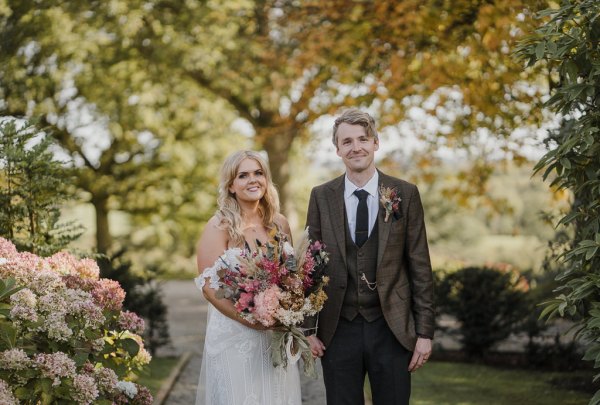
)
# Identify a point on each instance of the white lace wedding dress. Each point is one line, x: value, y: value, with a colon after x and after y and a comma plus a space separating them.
x: 236, y: 364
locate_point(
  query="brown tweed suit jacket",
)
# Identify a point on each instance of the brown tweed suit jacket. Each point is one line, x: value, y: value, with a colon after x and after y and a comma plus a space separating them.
x: 404, y: 277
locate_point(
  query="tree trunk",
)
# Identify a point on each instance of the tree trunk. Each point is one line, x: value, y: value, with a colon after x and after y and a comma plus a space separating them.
x: 278, y: 147
x: 103, y: 238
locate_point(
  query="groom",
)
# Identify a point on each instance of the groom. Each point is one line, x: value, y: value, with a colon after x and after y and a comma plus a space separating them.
x: 378, y: 318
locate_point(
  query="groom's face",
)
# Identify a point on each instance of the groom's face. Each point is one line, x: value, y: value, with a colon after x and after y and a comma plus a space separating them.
x: 356, y: 149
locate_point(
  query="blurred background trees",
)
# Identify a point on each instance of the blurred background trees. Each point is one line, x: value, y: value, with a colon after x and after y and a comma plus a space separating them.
x: 130, y: 87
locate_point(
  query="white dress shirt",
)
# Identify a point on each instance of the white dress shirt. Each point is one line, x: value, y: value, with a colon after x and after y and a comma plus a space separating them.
x: 351, y: 202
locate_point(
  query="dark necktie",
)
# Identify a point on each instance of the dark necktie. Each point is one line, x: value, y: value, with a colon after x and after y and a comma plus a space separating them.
x: 361, y: 233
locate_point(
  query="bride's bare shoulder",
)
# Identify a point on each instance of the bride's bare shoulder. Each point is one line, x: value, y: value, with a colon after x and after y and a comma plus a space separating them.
x: 214, y: 236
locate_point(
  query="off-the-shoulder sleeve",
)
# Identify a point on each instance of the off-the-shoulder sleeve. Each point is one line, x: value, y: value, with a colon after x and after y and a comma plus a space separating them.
x: 229, y: 258
x: 209, y: 272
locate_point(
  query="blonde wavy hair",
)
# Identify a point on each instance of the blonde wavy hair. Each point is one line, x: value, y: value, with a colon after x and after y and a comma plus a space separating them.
x: 229, y: 212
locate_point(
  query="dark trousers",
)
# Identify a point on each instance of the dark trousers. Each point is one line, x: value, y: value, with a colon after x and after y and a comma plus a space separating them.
x: 358, y: 348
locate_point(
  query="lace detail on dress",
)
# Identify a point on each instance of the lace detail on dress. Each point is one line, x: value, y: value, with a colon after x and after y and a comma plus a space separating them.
x: 228, y: 259
x: 236, y: 366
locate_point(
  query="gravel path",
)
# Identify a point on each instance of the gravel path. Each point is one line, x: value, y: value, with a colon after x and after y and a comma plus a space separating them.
x: 187, y: 322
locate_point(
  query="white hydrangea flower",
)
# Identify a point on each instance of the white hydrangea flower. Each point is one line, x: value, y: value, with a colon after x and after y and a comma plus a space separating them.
x: 128, y: 388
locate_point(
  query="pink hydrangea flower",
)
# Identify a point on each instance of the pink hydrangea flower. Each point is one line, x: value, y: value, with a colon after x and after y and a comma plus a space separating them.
x: 130, y: 321
x: 55, y: 366
x: 14, y: 359
x: 107, y: 380
x: 85, y: 389
x: 108, y: 294
x: 6, y: 394
x: 8, y: 249
x: 266, y: 304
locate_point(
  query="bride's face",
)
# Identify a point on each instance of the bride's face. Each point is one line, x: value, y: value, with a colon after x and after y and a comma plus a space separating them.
x: 249, y: 183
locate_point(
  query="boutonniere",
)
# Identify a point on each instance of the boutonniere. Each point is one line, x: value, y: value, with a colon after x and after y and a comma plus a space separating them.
x: 390, y: 199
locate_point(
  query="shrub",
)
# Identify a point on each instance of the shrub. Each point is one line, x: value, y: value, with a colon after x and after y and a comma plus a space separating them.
x: 64, y: 337
x: 488, y: 303
x: 143, y: 296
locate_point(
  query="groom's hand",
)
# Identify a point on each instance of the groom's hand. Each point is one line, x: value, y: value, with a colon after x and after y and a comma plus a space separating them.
x: 316, y: 346
x: 421, y: 354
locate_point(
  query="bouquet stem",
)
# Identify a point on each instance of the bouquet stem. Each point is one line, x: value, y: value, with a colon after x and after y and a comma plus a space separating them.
x: 288, y: 346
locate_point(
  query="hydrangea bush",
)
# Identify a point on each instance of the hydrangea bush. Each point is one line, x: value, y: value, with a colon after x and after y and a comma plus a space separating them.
x: 64, y: 337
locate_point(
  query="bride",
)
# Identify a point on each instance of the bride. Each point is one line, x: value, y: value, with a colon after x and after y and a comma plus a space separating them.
x: 236, y: 365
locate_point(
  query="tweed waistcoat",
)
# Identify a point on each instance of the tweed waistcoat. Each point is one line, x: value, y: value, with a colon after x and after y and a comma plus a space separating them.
x: 359, y: 299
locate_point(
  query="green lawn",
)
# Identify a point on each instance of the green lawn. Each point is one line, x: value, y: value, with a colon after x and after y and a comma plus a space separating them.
x: 444, y: 383
x: 157, y: 373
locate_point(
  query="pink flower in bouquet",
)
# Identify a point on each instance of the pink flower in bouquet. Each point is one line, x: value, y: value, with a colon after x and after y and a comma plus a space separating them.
x: 272, y: 268
x: 266, y: 304
x: 250, y: 286
x: 244, y: 302
x: 308, y: 267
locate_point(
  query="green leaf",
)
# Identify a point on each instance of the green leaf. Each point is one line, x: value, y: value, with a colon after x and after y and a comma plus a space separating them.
x: 131, y: 346
x: 22, y: 393
x: 571, y: 70
x: 8, y: 287
x: 591, y: 252
x: 81, y: 358
x: 8, y: 334
x: 540, y: 49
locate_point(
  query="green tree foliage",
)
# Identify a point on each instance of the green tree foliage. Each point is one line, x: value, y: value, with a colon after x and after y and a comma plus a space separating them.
x: 488, y: 303
x: 137, y: 135
x: 33, y: 185
x: 144, y: 76
x: 282, y: 64
x: 568, y: 43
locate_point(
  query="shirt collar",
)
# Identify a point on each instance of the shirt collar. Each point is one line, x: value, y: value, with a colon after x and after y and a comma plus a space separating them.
x: 370, y: 187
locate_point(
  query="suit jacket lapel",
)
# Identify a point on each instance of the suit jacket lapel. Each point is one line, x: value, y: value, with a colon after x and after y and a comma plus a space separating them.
x: 384, y: 227
x: 336, y: 208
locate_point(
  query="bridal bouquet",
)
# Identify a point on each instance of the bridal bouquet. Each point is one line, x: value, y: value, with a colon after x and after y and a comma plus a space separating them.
x: 277, y: 286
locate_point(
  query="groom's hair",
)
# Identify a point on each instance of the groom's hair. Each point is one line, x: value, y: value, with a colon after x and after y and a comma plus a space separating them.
x: 354, y: 116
